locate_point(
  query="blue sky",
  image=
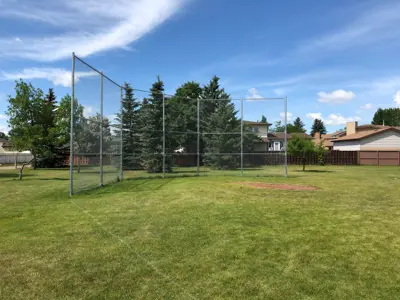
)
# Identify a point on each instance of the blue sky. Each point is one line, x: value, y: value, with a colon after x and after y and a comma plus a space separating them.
x: 335, y: 60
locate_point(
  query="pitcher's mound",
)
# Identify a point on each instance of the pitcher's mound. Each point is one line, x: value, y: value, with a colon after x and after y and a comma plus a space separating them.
x: 278, y: 186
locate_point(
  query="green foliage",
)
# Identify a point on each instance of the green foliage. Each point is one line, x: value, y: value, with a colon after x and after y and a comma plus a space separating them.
x: 263, y: 119
x: 3, y: 136
x: 318, y: 126
x: 182, y: 110
x: 291, y: 128
x: 52, y: 151
x: 25, y: 111
x: 152, y: 137
x: 278, y: 127
x: 388, y: 116
x: 301, y: 147
x: 130, y: 124
x: 298, y: 125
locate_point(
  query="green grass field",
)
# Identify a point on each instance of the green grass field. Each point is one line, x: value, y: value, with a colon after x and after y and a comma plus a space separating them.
x: 202, y: 237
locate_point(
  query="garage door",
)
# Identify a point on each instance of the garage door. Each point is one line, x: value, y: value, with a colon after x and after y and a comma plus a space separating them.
x: 380, y: 158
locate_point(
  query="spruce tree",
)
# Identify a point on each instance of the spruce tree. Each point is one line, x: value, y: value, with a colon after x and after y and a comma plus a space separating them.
x: 318, y: 126
x: 219, y: 145
x: 263, y: 119
x: 151, y: 117
x: 130, y: 129
x: 298, y: 125
x: 51, y: 154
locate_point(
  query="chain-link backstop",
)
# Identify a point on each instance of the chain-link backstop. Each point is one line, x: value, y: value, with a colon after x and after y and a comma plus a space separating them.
x: 137, y: 133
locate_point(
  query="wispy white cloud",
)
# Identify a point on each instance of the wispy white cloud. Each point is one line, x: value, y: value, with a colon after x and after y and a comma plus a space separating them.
x: 88, y: 111
x: 367, y: 106
x: 4, y: 128
x: 336, y: 97
x: 372, y: 25
x: 57, y: 76
x: 397, y: 99
x: 253, y: 94
x: 84, y: 27
x: 3, y: 117
x: 333, y: 119
x: 289, y: 116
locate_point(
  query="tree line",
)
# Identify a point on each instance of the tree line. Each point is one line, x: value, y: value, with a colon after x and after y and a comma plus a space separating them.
x: 40, y: 124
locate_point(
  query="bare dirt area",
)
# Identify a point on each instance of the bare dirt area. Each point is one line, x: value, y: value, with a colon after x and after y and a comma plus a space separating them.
x: 278, y: 186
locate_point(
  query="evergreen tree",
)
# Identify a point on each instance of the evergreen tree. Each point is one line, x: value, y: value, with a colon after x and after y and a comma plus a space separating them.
x: 52, y: 154
x: 218, y: 147
x: 182, y: 111
x: 130, y: 128
x: 263, y: 119
x: 388, y: 116
x: 152, y: 135
x: 298, y: 125
x: 318, y: 126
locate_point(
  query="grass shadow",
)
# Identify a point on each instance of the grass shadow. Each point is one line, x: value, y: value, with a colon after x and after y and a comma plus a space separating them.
x: 55, y: 178
x: 314, y: 171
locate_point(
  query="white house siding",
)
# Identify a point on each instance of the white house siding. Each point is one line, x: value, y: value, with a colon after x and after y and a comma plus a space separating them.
x: 385, y: 140
x: 347, y: 146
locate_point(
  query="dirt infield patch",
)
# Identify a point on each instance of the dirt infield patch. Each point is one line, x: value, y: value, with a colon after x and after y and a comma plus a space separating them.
x: 278, y: 186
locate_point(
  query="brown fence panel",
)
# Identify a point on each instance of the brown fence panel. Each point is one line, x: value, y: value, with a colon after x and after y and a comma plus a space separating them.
x: 380, y: 158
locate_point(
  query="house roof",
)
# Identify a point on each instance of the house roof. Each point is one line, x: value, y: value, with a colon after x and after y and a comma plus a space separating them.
x: 375, y: 129
x: 281, y: 135
x: 256, y: 123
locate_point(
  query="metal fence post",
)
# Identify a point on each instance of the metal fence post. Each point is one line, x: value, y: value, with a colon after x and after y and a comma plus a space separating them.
x: 121, y: 163
x: 163, y: 146
x: 101, y: 129
x: 198, y: 137
x: 241, y: 136
x: 286, y: 139
x: 71, y: 134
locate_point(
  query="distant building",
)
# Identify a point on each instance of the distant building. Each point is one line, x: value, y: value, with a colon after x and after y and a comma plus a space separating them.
x: 272, y: 141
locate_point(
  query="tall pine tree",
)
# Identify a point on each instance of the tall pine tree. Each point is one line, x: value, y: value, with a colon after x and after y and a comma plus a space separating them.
x: 152, y: 135
x: 218, y: 117
x: 298, y: 125
x: 130, y: 128
x: 318, y: 126
x: 52, y: 154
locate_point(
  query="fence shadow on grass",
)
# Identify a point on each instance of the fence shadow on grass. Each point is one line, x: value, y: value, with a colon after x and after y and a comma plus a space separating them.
x: 314, y: 171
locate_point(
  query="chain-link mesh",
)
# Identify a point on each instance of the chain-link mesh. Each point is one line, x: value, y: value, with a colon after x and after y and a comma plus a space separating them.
x: 96, y: 134
x: 148, y: 133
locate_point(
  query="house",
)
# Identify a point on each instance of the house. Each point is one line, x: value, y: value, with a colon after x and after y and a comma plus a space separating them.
x: 368, y: 138
x: 5, y: 146
x: 327, y: 139
x: 271, y: 141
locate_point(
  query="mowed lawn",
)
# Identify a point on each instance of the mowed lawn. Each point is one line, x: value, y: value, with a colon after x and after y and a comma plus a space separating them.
x: 203, y: 238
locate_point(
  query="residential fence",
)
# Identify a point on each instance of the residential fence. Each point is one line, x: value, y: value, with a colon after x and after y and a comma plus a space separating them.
x: 15, y: 158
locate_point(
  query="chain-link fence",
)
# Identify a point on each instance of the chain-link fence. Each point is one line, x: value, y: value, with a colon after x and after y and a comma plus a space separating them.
x: 121, y: 130
x: 95, y: 157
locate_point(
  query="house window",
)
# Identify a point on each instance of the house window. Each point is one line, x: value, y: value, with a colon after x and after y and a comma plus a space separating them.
x: 271, y: 145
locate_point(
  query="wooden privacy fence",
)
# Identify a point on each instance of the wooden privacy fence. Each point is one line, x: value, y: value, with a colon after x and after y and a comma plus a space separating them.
x: 328, y: 158
x: 12, y: 158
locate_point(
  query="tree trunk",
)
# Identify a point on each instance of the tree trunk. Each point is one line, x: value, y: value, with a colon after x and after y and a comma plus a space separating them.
x: 304, y: 164
x: 16, y: 161
x: 22, y: 168
x: 34, y: 161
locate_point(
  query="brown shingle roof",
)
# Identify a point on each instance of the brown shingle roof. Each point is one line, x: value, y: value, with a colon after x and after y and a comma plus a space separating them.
x: 281, y: 135
x: 367, y: 133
